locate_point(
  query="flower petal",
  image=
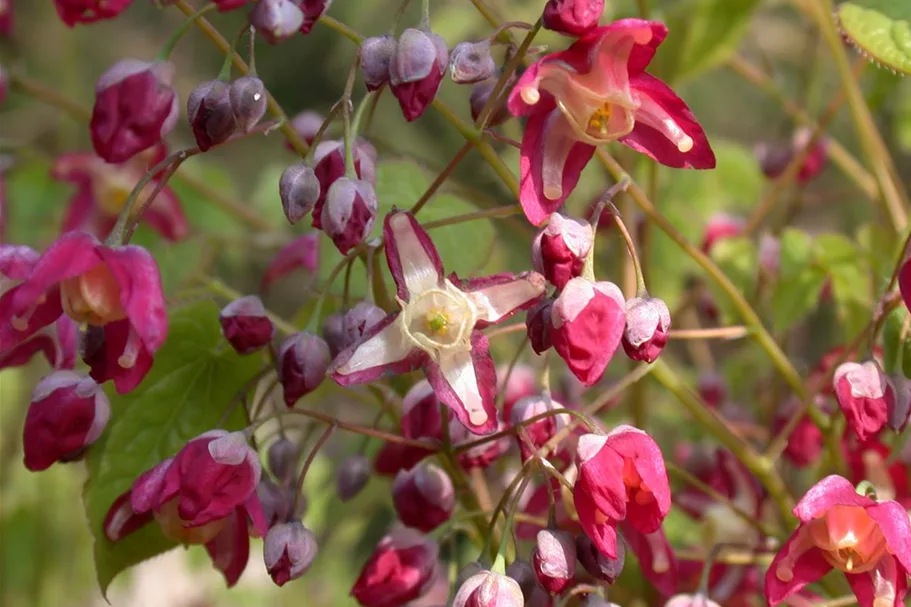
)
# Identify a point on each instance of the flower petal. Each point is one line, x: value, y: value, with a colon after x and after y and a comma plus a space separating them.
x: 302, y: 252
x: 602, y: 531
x: 16, y: 261
x: 465, y: 381
x: 656, y: 557
x: 141, y: 292
x: 41, y: 316
x: 634, y: 444
x: 804, y: 567
x: 498, y: 296
x: 382, y: 351
x: 230, y: 549
x: 104, y: 359
x: 81, y: 212
x: 833, y: 490
x: 121, y: 520
x: 666, y: 129
x: 166, y: 215
x: 76, y: 167
x: 893, y: 521
x: 884, y: 585
x: 412, y: 257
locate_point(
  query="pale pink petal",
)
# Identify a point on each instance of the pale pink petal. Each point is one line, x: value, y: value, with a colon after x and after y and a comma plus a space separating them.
x: 831, y: 491
x: 656, y: 557
x: 798, y: 563
x: 141, y: 292
x: 499, y: 296
x: 884, y: 585
x: 382, y: 351
x: 412, y: 257
x: 466, y: 382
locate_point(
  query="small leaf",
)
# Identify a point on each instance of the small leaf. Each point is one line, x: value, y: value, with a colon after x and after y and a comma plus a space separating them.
x: 796, y: 297
x: 796, y: 253
x: 880, y: 29
x: 737, y: 258
x: 193, y: 380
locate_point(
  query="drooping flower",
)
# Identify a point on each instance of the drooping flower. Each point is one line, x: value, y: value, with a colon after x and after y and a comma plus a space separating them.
x: 402, y: 568
x: 865, y: 396
x: 416, y: 70
x: 648, y: 322
x: 116, y: 291
x: 72, y: 12
x: 489, y: 589
x: 559, y: 250
x: 206, y: 494
x: 245, y: 325
x: 554, y: 559
x: 102, y: 189
x: 839, y: 529
x: 436, y: 327
x: 424, y: 497
x: 288, y: 551
x: 595, y: 92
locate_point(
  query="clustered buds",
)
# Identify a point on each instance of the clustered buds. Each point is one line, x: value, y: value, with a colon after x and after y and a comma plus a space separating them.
x: 245, y: 324
x: 302, y: 361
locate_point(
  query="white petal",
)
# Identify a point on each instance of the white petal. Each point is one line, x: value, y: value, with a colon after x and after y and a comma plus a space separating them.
x: 418, y: 269
x: 496, y: 301
x: 386, y: 347
x: 458, y: 370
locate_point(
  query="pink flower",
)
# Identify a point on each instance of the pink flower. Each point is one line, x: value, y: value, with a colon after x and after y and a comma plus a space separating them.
x: 554, y: 560
x: 436, y: 328
x: 302, y: 252
x: 559, y: 250
x: 288, y: 551
x: 203, y: 495
x: 869, y: 541
x: 718, y: 227
x: 621, y: 478
x: 245, y: 325
x: 572, y: 17
x: 865, y: 395
x: 403, y: 567
x: 89, y: 11
x: 595, y: 92
x: 648, y: 322
x: 68, y: 413
x: 424, y: 497
x: 115, y: 290
x: 102, y: 189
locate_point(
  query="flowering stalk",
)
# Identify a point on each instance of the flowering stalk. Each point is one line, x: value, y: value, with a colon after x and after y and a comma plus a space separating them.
x: 165, y: 53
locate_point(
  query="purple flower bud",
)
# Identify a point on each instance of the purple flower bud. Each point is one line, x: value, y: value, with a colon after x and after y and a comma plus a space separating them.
x: 353, y: 474
x: 554, y: 559
x: 359, y: 319
x: 302, y: 363
x: 210, y: 113
x: 313, y: 10
x: 307, y: 125
x: 416, y: 70
x: 288, y: 550
x: 573, y: 17
x: 135, y: 107
x: 537, y: 323
x: 424, y: 497
x: 329, y: 166
x: 245, y: 325
x: 283, y: 456
x: 471, y: 62
x: 68, y: 413
x: 647, y: 324
x: 278, y: 502
x: 599, y: 566
x: 376, y: 54
x: 349, y: 212
x: 334, y: 333
x: 276, y: 20
x: 248, y: 101
x: 489, y: 589
x: 901, y: 409
x: 560, y: 249
x: 774, y: 159
x: 299, y: 190
x: 480, y: 96
x: 534, y: 436
x: 524, y: 575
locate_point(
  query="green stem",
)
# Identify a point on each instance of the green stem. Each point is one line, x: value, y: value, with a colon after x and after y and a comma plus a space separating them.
x: 225, y: 72
x: 352, y: 127
x: 165, y: 53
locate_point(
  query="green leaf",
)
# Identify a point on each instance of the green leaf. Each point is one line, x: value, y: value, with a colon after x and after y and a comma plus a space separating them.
x: 881, y: 29
x: 796, y: 252
x: 738, y: 259
x: 796, y: 297
x: 896, y: 351
x: 195, y: 376
x: 840, y: 258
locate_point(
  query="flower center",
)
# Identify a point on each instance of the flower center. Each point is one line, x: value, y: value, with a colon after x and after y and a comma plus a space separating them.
x: 93, y: 297
x: 600, y: 119
x: 174, y: 528
x: 439, y: 320
x: 636, y: 489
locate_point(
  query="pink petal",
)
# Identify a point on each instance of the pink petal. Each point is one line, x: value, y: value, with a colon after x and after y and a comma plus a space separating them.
x: 882, y: 584
x: 634, y: 444
x: 43, y: 314
x: 602, y: 532
x: 499, y: 296
x: 810, y: 566
x: 656, y: 557
x: 302, y: 252
x: 148, y: 492
x: 892, y: 519
x: 121, y: 520
x: 600, y: 484
x: 230, y: 549
x: 663, y: 116
x: 831, y: 491
x: 104, y: 361
x: 382, y: 351
x: 141, y: 293
x: 81, y: 212
x: 166, y: 215
x: 76, y: 167
x: 904, y: 282
x: 16, y: 261
x: 69, y: 256
x: 257, y: 516
x: 412, y: 257
x: 466, y: 383
x: 641, y: 54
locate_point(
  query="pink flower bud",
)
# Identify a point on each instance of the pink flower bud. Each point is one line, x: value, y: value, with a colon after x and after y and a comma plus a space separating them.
x: 560, y: 249
x: 534, y: 436
x: 416, y: 70
x: 135, y: 108
x: 302, y: 363
x: 283, y: 456
x: 598, y: 565
x: 647, y: 324
x: 865, y: 396
x: 68, y: 413
x: 299, y: 190
x: 210, y: 113
x: 720, y: 226
x: 276, y: 20
x: 72, y: 12
x: 334, y: 333
x: 376, y: 54
x: 329, y: 166
x: 288, y: 551
x: 538, y: 324
x: 423, y: 496
x: 307, y: 125
x: 572, y: 17
x: 349, y: 212
x: 489, y: 589
x: 402, y: 568
x: 480, y: 96
x: 587, y: 323
x: 313, y: 10
x: 245, y: 325
x: 554, y: 560
x: 471, y: 62
x: 353, y: 474
x: 248, y: 101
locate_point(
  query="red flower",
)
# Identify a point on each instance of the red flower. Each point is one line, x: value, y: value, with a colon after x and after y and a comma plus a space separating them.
x: 402, y: 568
x: 865, y: 395
x: 115, y: 290
x: 245, y: 325
x: 595, y: 92
x: 572, y: 17
x: 869, y: 541
x: 621, y: 478
x: 89, y: 11
x: 203, y: 495
x: 102, y: 189
x: 560, y: 249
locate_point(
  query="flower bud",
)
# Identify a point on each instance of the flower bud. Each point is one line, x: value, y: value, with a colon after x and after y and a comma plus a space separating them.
x: 597, y: 564
x: 587, y: 323
x: 302, y: 252
x: 248, y: 102
x: 302, y: 363
x: 560, y: 249
x: 349, y: 212
x: 334, y: 333
x: 647, y: 324
x: 489, y: 589
x: 524, y: 575
x: 276, y: 20
x: 72, y: 12
x: 210, y: 113
x: 572, y: 17
x: 901, y: 409
x: 402, y: 568
x: 774, y: 159
x: 865, y: 396
x: 283, y: 456
x: 228, y: 5
x: 423, y: 496
x: 479, y: 456
x: 313, y: 10
x: 471, y: 62
x: 720, y: 226
x: 278, y: 502
x: 554, y: 560
x: 135, y: 107
x: 470, y: 570
x: 480, y: 96
x: 421, y: 413
x: 416, y: 70
x: 691, y: 600
x: 537, y: 324
x: 307, y: 125
x: 245, y: 325
x: 358, y: 320
x: 353, y: 474
x: 329, y: 167
x: 299, y: 190
x: 288, y: 551
x: 68, y: 412
x: 533, y: 437
x: 376, y: 54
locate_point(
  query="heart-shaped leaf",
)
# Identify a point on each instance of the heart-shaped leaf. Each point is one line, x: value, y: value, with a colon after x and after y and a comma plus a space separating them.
x: 881, y: 29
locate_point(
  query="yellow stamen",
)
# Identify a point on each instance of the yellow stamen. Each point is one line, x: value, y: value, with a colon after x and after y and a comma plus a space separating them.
x: 600, y: 119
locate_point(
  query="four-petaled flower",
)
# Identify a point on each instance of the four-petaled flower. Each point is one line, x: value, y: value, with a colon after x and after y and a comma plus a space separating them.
x: 437, y: 326
x: 595, y: 92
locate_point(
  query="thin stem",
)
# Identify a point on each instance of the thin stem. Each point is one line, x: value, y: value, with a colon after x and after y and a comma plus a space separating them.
x: 43, y: 93
x: 631, y: 248
x: 494, y: 101
x: 441, y: 177
x: 716, y: 333
x: 165, y: 53
x: 303, y: 475
x: 362, y: 430
x: 526, y: 469
x: 252, y: 51
x: 350, y: 133
x: 225, y: 72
